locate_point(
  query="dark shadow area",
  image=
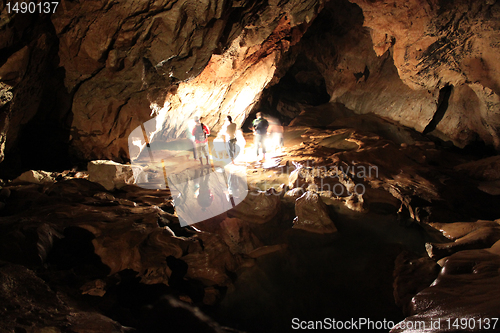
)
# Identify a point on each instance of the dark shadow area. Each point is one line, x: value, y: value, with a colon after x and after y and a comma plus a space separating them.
x: 302, y: 86
x: 75, y: 252
x: 442, y: 106
x: 41, y: 143
x: 348, y: 274
x: 150, y: 308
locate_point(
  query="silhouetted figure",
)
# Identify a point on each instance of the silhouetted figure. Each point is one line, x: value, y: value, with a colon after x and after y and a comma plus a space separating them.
x: 190, y: 136
x: 260, y: 126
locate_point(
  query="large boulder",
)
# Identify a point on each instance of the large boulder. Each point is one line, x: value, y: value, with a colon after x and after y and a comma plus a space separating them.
x: 258, y: 206
x: 110, y: 174
x: 312, y: 214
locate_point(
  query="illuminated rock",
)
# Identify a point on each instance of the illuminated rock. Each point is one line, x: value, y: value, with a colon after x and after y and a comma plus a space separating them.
x: 466, y: 236
x: 258, y: 207
x: 35, y: 176
x: 110, y: 174
x: 292, y: 195
x: 419, y: 37
x: 203, y: 56
x: 312, y: 214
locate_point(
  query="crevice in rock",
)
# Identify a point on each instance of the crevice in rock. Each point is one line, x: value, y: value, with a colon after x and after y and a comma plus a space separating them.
x: 76, y: 252
x: 442, y: 107
x: 360, y: 75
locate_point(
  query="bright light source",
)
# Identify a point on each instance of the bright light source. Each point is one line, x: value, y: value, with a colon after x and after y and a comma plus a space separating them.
x: 163, y: 146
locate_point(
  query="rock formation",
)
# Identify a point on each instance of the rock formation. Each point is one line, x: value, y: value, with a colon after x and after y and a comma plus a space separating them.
x: 393, y: 112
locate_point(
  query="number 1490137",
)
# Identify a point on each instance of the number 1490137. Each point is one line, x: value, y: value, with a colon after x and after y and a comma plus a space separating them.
x: 472, y: 324
x: 32, y: 7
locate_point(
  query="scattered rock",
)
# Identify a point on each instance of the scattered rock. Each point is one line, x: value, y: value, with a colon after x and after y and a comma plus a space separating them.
x: 355, y: 202
x: 94, y: 288
x: 28, y: 304
x: 457, y: 230
x: 238, y: 236
x: 293, y: 194
x: 480, y: 238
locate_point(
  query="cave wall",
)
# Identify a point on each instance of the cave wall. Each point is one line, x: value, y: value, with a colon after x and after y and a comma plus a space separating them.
x: 435, y: 44
x: 119, y: 57
x: 34, y: 107
x: 77, y: 82
x: 118, y: 60
x: 427, y: 65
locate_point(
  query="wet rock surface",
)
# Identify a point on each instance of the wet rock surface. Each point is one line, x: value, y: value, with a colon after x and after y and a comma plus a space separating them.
x: 312, y: 214
x: 376, y: 93
x: 416, y: 181
x: 464, y: 297
x: 351, y: 191
x: 83, y: 239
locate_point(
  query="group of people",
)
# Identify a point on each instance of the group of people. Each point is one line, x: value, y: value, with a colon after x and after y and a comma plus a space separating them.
x: 199, y: 135
x: 200, y: 132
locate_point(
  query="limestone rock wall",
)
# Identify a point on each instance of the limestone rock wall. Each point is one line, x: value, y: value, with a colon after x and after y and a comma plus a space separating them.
x: 429, y: 65
x: 444, y: 43
x: 77, y: 82
x: 30, y: 87
x: 109, y: 64
x: 120, y: 57
x: 359, y: 78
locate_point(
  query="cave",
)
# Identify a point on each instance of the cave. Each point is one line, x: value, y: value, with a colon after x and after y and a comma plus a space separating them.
x: 249, y: 166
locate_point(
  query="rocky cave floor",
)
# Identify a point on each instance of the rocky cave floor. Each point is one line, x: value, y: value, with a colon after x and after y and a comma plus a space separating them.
x: 415, y: 238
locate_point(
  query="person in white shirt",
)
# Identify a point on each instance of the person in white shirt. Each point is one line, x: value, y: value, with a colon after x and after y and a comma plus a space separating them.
x: 230, y: 135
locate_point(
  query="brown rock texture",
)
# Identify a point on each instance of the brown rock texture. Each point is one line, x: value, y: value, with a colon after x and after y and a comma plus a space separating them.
x: 426, y: 65
x: 119, y: 57
x: 466, y: 288
x: 30, y: 304
x: 258, y: 207
x: 312, y: 214
x: 444, y: 43
x: 81, y: 79
x: 114, y: 63
x: 131, y: 53
x: 30, y: 87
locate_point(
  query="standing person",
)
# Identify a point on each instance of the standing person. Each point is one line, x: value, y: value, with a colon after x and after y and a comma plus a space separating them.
x: 230, y: 135
x: 260, y: 126
x: 200, y: 133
